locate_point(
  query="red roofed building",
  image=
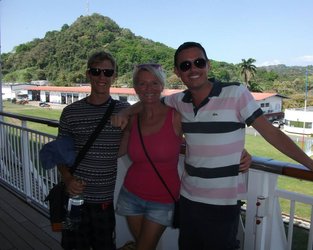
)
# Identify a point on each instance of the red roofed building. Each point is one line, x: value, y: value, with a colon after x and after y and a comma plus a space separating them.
x: 271, y: 103
x: 67, y: 95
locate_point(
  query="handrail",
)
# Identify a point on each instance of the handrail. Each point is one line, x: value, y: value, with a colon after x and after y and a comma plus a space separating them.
x: 282, y: 168
x: 49, y: 122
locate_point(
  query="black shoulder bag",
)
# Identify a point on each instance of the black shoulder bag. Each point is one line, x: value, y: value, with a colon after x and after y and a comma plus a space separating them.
x: 58, y: 197
x: 176, y: 219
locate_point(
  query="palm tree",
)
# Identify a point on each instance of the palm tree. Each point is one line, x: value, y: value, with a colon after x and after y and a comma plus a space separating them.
x: 248, y: 70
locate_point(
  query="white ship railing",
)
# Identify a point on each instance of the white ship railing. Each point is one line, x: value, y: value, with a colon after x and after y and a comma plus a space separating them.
x: 263, y: 227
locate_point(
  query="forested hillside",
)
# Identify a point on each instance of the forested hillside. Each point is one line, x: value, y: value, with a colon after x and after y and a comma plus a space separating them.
x: 61, y: 56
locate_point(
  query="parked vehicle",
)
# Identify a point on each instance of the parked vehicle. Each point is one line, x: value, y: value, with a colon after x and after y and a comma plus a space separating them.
x: 44, y: 105
x: 277, y: 123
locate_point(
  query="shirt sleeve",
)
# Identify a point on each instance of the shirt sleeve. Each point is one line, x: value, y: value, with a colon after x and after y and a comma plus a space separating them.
x: 171, y: 101
x: 249, y: 108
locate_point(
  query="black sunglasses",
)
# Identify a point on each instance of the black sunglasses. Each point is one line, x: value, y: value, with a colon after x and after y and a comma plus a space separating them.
x: 186, y: 65
x: 97, y: 72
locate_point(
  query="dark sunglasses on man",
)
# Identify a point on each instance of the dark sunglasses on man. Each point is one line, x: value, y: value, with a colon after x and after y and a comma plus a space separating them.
x: 97, y: 72
x: 186, y: 65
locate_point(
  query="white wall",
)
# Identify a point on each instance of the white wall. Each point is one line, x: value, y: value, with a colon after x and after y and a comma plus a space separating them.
x: 301, y: 116
x: 55, y: 97
x: 275, y: 104
x: 7, y: 92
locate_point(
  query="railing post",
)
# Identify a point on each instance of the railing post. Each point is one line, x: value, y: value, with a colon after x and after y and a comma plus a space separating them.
x: 261, y: 203
x: 1, y: 145
x: 26, y: 160
x: 310, y: 240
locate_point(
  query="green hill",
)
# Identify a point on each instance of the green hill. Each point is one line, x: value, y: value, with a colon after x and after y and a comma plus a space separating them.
x: 60, y: 57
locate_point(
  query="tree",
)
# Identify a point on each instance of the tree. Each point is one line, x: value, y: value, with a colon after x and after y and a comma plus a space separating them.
x: 247, y: 70
x: 254, y: 87
x: 173, y: 82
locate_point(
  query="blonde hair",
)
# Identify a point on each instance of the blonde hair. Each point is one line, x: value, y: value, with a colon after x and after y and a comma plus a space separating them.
x: 154, y: 69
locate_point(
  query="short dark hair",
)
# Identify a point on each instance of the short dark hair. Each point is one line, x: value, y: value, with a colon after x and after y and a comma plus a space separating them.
x: 99, y: 57
x: 188, y: 45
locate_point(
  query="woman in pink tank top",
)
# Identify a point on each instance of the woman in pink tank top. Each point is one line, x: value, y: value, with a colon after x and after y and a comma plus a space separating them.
x: 143, y: 199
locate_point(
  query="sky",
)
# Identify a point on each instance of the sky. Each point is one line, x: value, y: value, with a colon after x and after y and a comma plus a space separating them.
x: 269, y: 31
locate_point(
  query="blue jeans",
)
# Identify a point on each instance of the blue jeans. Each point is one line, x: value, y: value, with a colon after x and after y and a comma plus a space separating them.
x: 206, y: 227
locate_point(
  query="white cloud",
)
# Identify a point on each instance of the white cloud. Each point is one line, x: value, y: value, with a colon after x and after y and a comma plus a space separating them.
x: 268, y: 63
x: 301, y: 61
x: 296, y: 61
x: 307, y: 58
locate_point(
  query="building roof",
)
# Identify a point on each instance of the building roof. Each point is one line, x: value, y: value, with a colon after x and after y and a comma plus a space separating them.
x: 262, y: 96
x: 130, y: 91
x: 86, y: 89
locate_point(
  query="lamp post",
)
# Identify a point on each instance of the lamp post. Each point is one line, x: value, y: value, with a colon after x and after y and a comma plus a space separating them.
x: 306, y: 88
x: 305, y: 103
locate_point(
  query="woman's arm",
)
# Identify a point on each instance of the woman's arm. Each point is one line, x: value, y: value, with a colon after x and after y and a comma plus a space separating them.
x: 245, y: 161
x: 177, y: 123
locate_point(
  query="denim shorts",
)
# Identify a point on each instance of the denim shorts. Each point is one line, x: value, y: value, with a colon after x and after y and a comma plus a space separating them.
x: 129, y: 204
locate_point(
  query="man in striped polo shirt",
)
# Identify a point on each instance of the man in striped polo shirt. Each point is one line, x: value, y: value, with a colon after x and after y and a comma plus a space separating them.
x: 95, y: 175
x: 214, y: 116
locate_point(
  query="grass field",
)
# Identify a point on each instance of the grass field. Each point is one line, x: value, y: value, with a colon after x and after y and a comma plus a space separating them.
x: 36, y: 111
x: 256, y: 145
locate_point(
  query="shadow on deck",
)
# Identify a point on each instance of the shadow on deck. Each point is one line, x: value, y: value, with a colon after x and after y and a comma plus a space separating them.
x: 23, y: 227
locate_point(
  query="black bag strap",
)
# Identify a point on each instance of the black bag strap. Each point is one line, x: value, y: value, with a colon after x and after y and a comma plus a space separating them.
x: 93, y: 136
x: 151, y: 162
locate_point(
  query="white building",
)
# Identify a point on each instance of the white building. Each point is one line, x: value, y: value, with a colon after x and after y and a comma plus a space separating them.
x: 68, y: 95
x: 271, y: 104
x: 15, y: 90
x: 299, y: 120
x: 7, y: 93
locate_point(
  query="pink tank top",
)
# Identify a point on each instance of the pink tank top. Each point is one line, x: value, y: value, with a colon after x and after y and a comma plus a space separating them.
x: 163, y: 148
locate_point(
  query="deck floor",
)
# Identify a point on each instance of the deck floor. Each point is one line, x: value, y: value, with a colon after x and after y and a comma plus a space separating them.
x: 22, y: 227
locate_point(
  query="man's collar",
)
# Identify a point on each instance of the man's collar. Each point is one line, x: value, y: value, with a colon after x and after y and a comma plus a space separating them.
x: 215, y: 91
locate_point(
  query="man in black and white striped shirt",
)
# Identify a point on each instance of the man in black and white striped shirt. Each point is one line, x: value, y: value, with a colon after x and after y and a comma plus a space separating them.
x: 95, y: 176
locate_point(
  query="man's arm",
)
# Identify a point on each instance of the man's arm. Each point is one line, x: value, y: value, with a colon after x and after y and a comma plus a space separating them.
x: 73, y: 185
x: 121, y: 118
x: 281, y: 141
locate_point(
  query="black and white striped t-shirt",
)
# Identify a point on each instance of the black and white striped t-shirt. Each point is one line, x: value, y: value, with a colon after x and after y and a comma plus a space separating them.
x: 99, y: 166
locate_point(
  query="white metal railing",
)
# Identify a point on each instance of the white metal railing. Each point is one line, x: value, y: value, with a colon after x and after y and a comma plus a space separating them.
x: 263, y: 227
x: 19, y: 160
